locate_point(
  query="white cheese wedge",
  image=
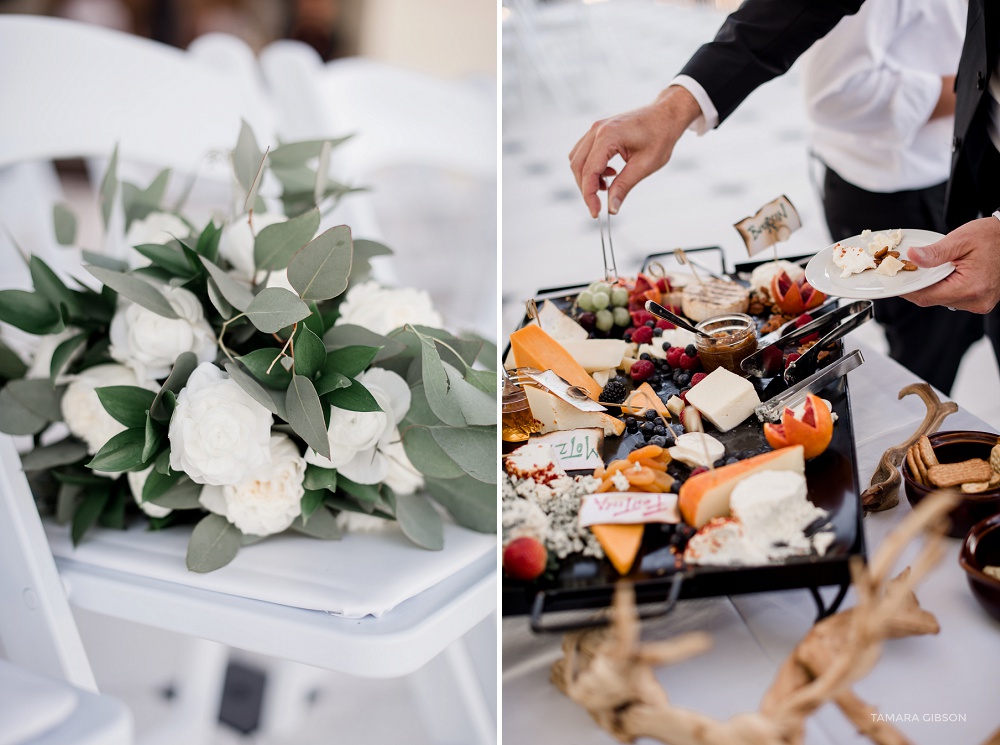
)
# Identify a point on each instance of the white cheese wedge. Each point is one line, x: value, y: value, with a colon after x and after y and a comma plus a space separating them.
x: 558, y: 325
x: 601, y: 377
x: 697, y: 449
x: 724, y: 398
x: 675, y: 405
x: 677, y: 337
x: 890, y: 266
x: 555, y: 415
x: 653, y: 350
x: 595, y: 354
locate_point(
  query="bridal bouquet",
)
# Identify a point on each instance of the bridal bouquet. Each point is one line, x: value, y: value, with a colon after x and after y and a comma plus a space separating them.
x: 247, y: 376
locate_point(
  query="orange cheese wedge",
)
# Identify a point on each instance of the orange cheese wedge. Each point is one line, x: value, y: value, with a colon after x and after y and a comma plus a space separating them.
x: 641, y: 398
x: 532, y: 347
x: 620, y: 543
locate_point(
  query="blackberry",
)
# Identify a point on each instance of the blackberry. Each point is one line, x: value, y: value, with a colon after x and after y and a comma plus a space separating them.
x: 614, y: 392
x: 690, y: 350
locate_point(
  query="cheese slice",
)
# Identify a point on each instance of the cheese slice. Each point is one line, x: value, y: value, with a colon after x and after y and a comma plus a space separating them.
x: 556, y: 415
x: 559, y: 325
x: 724, y: 398
x: 706, y: 496
x: 596, y: 354
x: 620, y: 543
x: 532, y: 347
x: 640, y: 399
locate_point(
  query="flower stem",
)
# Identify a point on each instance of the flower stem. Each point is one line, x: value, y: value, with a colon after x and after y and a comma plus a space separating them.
x: 222, y: 332
x: 288, y: 344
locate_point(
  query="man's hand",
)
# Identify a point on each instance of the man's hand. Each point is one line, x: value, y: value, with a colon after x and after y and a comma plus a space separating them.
x: 645, y: 139
x: 974, y: 249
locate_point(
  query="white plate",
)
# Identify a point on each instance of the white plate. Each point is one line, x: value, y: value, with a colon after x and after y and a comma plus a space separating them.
x: 868, y: 285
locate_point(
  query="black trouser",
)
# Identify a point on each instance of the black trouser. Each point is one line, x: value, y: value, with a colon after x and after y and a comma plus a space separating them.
x: 929, y: 341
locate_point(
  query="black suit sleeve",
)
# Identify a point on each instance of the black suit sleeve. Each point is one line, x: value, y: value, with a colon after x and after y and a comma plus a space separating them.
x: 758, y: 42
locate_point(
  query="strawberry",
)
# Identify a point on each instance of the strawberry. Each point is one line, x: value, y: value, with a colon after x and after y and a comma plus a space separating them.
x: 524, y: 558
x: 641, y: 370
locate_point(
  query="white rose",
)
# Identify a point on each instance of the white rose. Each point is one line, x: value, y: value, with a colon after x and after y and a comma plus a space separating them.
x: 270, y: 500
x: 157, y: 227
x: 218, y: 433
x: 402, y: 477
x: 136, y: 482
x: 151, y: 343
x: 41, y: 359
x: 237, y: 241
x: 383, y: 309
x: 359, y: 439
x: 83, y: 411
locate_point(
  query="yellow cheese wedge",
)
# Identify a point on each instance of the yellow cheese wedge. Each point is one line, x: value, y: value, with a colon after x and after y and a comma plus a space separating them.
x: 532, y: 347
x: 641, y: 398
x: 620, y: 543
x: 556, y: 415
x: 706, y: 496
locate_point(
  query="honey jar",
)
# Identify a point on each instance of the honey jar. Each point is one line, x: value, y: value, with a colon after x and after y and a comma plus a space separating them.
x: 733, y: 338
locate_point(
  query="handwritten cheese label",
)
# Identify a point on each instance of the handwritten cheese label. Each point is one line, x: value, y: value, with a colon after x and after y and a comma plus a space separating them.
x: 774, y: 222
x: 576, y: 449
x: 628, y: 508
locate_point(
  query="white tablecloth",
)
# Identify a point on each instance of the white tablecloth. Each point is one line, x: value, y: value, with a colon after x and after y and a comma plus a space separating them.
x: 934, y: 679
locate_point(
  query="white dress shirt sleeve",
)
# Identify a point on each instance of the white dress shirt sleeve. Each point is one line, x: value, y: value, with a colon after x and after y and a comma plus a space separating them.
x: 709, y: 118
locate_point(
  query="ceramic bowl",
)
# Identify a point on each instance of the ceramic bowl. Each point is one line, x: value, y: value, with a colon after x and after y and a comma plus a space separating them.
x: 981, y: 549
x: 953, y: 447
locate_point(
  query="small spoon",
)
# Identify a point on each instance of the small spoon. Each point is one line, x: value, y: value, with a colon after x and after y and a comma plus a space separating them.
x: 660, y: 312
x: 576, y: 392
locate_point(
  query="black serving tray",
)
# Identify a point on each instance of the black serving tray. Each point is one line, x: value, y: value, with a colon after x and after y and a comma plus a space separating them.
x: 584, y: 585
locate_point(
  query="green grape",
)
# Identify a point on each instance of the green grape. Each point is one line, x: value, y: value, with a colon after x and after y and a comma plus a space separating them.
x: 596, y: 285
x: 622, y: 317
x: 619, y: 296
x: 601, y: 300
x: 601, y: 287
x: 585, y: 301
x: 605, y: 320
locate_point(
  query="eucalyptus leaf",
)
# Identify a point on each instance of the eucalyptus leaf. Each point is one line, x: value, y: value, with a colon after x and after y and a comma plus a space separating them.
x: 274, y: 308
x: 30, y: 312
x: 331, y: 381
x: 183, y: 495
x: 310, y: 354
x: 236, y: 294
x: 137, y: 290
x: 260, y: 360
x: 105, y: 262
x: 39, y: 396
x: 348, y: 334
x: 167, y: 257
x: 184, y: 365
x: 346, y: 504
x: 67, y: 501
x: 297, y: 153
x: 473, y: 448
x: 62, y: 453
x: 488, y: 355
x: 419, y: 521
x: 305, y: 414
x: 477, y: 407
x: 158, y: 484
x: 461, y: 353
x: 276, y: 244
x: 214, y: 543
x: 139, y: 203
x: 350, y: 361
x: 353, y: 398
x: 273, y: 401
x: 128, y: 404
x: 247, y: 157
x: 48, y: 284
x: 217, y: 299
x: 472, y: 503
x: 362, y: 492
x: 420, y: 411
x: 64, y: 222
x: 208, y: 242
x: 427, y: 456
x: 109, y: 187
x: 319, y: 271
x: 320, y: 478
x: 123, y: 452
x: 89, y: 510
x: 321, y: 524
x: 11, y: 365
x: 436, y: 388
x: 484, y: 380
x: 64, y: 355
x: 312, y: 500
x: 154, y: 438
x: 113, y: 514
x: 364, y: 252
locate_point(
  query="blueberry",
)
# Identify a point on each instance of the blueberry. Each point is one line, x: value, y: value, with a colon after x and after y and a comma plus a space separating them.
x: 657, y: 331
x: 645, y: 356
x: 651, y: 324
x: 669, y: 440
x: 647, y: 428
x: 732, y: 459
x: 654, y: 380
x: 651, y: 414
x: 683, y: 379
x: 690, y: 350
x: 666, y: 346
x: 677, y: 540
x: 630, y: 421
x: 720, y: 463
x: 660, y: 431
x: 658, y: 440
x: 627, y: 336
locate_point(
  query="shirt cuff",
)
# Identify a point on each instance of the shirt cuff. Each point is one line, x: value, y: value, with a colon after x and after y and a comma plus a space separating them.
x: 997, y: 214
x: 709, y: 118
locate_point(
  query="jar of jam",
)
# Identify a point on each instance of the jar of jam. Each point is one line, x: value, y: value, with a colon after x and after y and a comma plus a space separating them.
x: 733, y: 339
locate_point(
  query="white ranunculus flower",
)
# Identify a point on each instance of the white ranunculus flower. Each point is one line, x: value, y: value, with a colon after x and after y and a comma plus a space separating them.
x: 41, y: 359
x: 359, y: 439
x: 151, y: 343
x: 83, y: 411
x: 267, y: 502
x: 237, y: 240
x: 157, y: 227
x: 218, y: 433
x: 402, y: 477
x: 136, y: 482
x: 383, y: 309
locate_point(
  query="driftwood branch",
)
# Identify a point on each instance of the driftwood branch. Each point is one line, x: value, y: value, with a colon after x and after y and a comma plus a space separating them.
x: 610, y: 671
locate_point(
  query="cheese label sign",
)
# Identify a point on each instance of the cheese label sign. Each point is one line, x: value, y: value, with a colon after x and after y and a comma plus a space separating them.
x: 773, y: 223
x: 628, y: 508
x: 576, y: 449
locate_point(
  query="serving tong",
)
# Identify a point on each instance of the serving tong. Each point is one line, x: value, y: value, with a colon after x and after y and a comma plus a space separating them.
x: 608, y: 251
x: 772, y: 409
x: 768, y: 361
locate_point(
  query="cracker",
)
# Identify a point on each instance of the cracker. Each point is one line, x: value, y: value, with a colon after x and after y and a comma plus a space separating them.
x: 975, y: 487
x: 953, y: 474
x: 911, y: 461
x: 995, y: 457
x: 926, y: 452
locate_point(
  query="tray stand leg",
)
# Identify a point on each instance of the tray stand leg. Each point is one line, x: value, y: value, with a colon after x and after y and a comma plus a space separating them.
x: 823, y: 610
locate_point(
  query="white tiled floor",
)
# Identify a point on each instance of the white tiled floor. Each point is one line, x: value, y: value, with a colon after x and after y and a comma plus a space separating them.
x: 584, y: 62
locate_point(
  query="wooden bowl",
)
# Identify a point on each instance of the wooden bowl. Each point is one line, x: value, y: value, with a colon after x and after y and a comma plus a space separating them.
x: 982, y: 548
x: 954, y: 447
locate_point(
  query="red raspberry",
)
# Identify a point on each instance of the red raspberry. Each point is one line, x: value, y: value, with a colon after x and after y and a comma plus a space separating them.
x: 683, y: 395
x: 689, y: 363
x: 674, y: 356
x: 663, y: 324
x: 697, y: 378
x: 642, y: 335
x: 663, y: 285
x: 641, y: 370
x: 699, y: 469
x: 803, y: 320
x: 791, y: 358
x: 639, y: 317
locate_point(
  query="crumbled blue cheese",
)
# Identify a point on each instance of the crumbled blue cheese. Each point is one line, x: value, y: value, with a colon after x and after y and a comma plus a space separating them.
x: 620, y: 480
x: 559, y: 503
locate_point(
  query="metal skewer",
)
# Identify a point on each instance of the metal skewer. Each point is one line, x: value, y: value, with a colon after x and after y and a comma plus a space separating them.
x: 610, y: 272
